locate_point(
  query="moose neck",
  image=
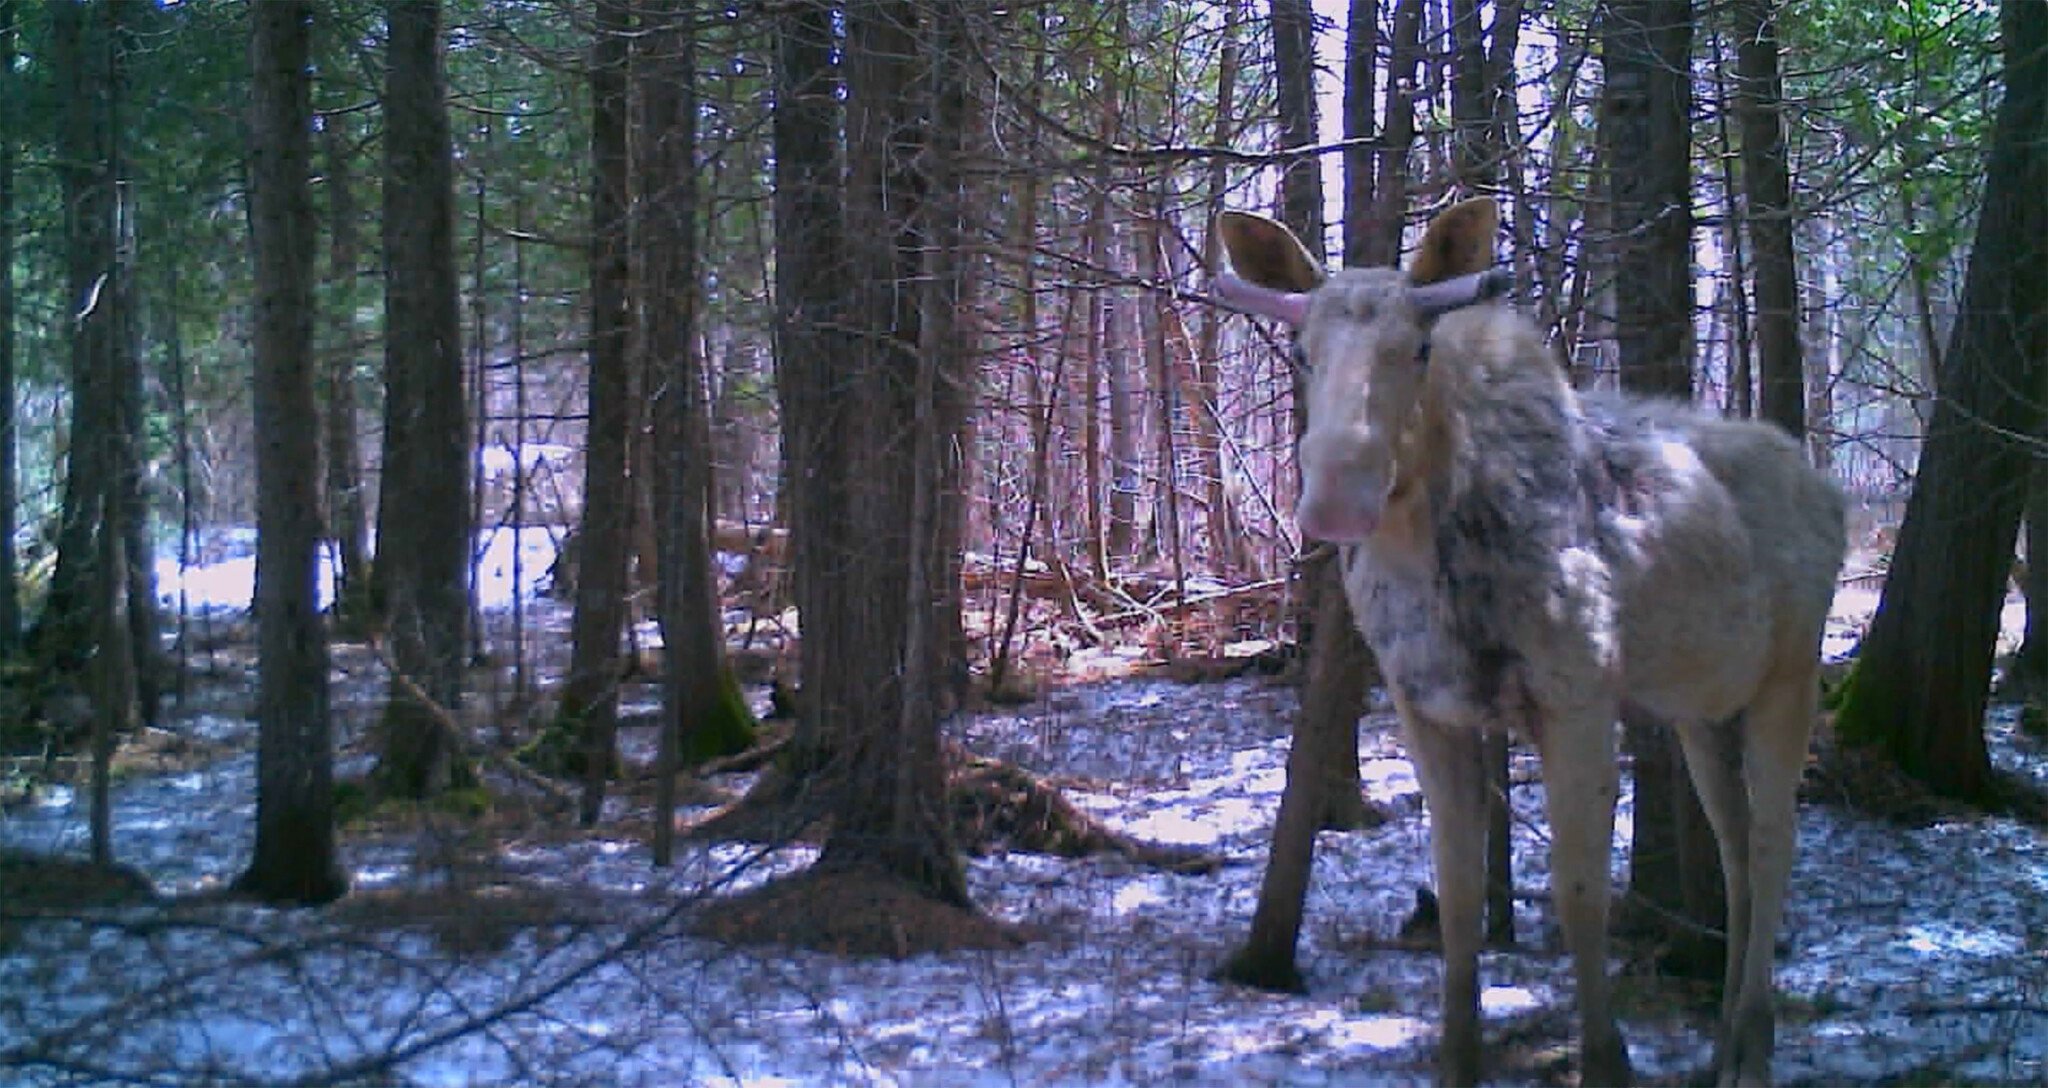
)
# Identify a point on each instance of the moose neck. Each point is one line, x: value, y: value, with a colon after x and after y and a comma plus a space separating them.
x: 1491, y: 389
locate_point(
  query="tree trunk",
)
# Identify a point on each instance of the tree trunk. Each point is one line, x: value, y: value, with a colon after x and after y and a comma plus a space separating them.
x: 887, y: 453
x: 1229, y: 550
x: 423, y: 518
x: 1361, y: 60
x: 10, y: 124
x: 1741, y: 374
x: 1477, y: 153
x: 63, y: 634
x: 1123, y: 419
x: 138, y: 567
x: 1767, y: 198
x: 1301, y: 178
x: 295, y: 860
x: 103, y: 518
x: 1100, y: 510
x: 1381, y: 236
x: 704, y: 715
x: 1645, y: 132
x: 1920, y: 685
x: 810, y: 332
x: 1158, y: 363
x: 348, y: 522
x: 1042, y: 395
x: 1645, y: 126
x: 1323, y: 788
x: 2028, y: 677
x: 589, y: 707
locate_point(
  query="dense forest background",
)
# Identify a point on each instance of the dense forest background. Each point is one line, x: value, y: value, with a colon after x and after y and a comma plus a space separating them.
x: 859, y: 356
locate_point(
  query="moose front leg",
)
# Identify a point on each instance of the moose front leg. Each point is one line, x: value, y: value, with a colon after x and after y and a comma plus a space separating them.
x: 1449, y: 762
x: 1580, y: 783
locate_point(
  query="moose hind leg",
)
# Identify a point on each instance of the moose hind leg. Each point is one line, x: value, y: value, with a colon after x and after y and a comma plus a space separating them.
x: 1714, y: 759
x: 1774, y: 755
x: 1580, y: 783
x: 1449, y: 763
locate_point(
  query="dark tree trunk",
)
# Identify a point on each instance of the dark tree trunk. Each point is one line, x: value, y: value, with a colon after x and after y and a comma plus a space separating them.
x: 1338, y: 662
x: 128, y: 509
x: 1100, y: 514
x: 1922, y: 680
x: 809, y: 194
x: 423, y: 515
x: 1477, y: 153
x: 10, y: 125
x: 1301, y: 179
x: 1767, y: 198
x: 97, y: 620
x: 63, y: 632
x: 589, y: 708
x: 2028, y: 678
x: 1361, y: 60
x: 295, y: 859
x: 1645, y: 132
x: 1645, y: 126
x: 1323, y: 787
x: 1229, y: 546
x: 1108, y: 258
x: 1381, y: 241
x: 348, y: 521
x: 879, y: 620
x: 705, y: 715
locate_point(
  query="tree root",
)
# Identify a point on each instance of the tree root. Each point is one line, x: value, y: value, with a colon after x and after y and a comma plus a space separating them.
x: 995, y: 806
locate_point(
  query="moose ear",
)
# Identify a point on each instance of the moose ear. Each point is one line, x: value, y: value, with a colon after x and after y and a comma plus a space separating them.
x: 1266, y: 253
x: 1459, y: 242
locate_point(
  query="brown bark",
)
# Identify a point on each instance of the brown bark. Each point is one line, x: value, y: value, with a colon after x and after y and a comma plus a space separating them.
x: 1228, y: 547
x: 347, y: 514
x: 698, y: 709
x: 1381, y: 244
x: 423, y: 515
x: 589, y: 704
x: 294, y: 859
x: 10, y: 121
x: 1920, y: 685
x: 1301, y: 179
x: 1361, y: 58
x: 1645, y: 129
x: 1767, y: 199
x: 1043, y: 394
x: 2028, y: 677
x: 1645, y: 125
x: 811, y: 318
x: 1323, y: 788
x: 1741, y: 374
x: 878, y: 622
x: 1158, y: 318
x: 1100, y: 511
x: 1477, y: 154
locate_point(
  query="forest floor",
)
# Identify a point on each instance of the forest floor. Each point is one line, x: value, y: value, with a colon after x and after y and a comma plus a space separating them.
x: 502, y: 949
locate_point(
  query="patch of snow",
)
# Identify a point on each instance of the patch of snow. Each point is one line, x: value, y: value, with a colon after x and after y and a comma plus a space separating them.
x: 1905, y: 950
x: 225, y: 577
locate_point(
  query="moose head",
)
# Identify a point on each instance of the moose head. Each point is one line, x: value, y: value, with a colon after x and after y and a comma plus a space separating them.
x: 1365, y: 336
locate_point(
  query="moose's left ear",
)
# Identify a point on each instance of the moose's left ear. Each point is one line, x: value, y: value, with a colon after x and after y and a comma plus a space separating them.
x: 1266, y: 253
x: 1459, y: 242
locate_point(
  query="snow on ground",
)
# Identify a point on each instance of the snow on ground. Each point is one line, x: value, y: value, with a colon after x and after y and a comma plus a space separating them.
x: 1906, y: 950
x: 1909, y: 955
x: 223, y: 575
